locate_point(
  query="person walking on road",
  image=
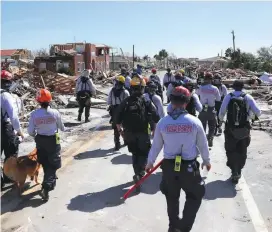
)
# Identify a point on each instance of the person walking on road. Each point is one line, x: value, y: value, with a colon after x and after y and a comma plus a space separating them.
x: 167, y: 79
x: 156, y: 79
x: 151, y: 95
x: 182, y: 136
x: 9, y: 122
x: 194, y: 103
x: 238, y: 105
x: 134, y: 114
x: 116, y: 95
x: 209, y: 94
x: 44, y: 124
x: 85, y: 89
x: 223, y: 92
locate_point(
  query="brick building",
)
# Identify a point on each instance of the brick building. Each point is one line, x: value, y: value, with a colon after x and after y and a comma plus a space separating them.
x: 76, y: 57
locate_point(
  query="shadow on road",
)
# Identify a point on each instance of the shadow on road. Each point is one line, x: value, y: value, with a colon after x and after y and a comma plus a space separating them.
x: 220, y: 189
x: 71, y: 124
x: 97, y: 153
x: 12, y: 202
x: 102, y: 128
x: 111, y: 197
x: 122, y: 159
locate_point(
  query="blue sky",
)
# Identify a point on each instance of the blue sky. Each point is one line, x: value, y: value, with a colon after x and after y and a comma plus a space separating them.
x: 187, y: 29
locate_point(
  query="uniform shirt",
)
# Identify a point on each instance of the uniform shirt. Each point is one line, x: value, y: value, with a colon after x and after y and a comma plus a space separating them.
x: 184, y: 136
x: 198, y: 105
x: 112, y: 100
x: 208, y: 94
x: 157, y: 102
x: 168, y: 78
x: 250, y: 103
x: 127, y: 82
x: 223, y: 90
x: 10, y: 110
x: 45, y: 122
x: 88, y: 86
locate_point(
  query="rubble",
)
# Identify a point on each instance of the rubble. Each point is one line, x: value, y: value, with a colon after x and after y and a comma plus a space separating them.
x: 62, y: 87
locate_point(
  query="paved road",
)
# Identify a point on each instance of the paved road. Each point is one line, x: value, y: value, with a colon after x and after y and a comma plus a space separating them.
x: 94, y: 177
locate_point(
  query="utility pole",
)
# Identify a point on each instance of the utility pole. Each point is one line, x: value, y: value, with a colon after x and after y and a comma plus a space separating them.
x: 133, y: 57
x: 112, y: 60
x: 233, y: 40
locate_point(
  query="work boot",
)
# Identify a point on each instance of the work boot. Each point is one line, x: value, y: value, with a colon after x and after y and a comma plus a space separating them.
x: 44, y: 194
x: 117, y: 146
x: 87, y: 120
x: 136, y: 178
x: 210, y: 142
x: 79, y: 118
x: 235, y: 177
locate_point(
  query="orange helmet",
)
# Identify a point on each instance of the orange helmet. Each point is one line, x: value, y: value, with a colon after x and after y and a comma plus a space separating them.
x: 43, y: 95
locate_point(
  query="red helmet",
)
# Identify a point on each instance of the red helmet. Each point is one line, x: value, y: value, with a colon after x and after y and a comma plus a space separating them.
x: 153, y: 70
x: 5, y: 75
x: 180, y: 94
x: 43, y: 95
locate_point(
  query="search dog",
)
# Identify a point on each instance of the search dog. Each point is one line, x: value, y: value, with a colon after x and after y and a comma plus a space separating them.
x: 18, y: 168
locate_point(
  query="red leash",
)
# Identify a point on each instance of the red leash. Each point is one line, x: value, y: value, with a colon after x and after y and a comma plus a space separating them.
x: 141, y: 180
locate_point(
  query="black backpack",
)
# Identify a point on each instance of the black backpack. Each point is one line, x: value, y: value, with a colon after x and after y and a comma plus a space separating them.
x: 237, y: 111
x: 135, y: 118
x: 191, y: 109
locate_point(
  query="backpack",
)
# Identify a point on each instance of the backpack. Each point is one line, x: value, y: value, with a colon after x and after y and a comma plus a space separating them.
x: 83, y: 94
x: 191, y: 109
x: 135, y: 118
x: 237, y: 111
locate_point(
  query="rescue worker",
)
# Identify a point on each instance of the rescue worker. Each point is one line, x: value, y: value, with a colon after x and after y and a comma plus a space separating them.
x: 139, y: 69
x: 116, y: 95
x: 208, y: 95
x: 134, y: 114
x: 9, y: 122
x: 151, y: 95
x: 239, y: 106
x: 85, y: 89
x: 125, y: 74
x: 182, y: 136
x: 44, y: 124
x: 156, y: 79
x: 194, y: 103
x: 223, y: 92
x: 167, y: 79
x: 179, y: 80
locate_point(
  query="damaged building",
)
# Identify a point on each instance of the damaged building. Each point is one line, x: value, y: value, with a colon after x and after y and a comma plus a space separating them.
x: 74, y: 58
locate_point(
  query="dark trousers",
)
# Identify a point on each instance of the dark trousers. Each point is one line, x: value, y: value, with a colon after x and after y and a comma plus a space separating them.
x: 49, y: 158
x: 9, y: 144
x: 210, y: 118
x: 84, y: 103
x: 236, y: 151
x: 139, y: 145
x: 115, y: 130
x: 190, y: 181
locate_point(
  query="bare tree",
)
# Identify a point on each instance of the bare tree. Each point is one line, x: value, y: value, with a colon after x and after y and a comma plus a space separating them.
x: 42, y: 52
